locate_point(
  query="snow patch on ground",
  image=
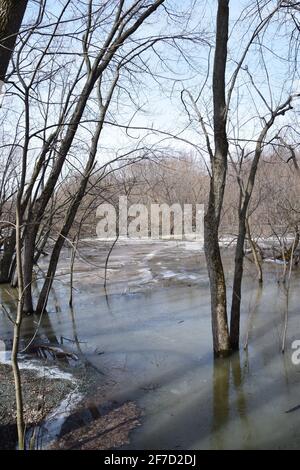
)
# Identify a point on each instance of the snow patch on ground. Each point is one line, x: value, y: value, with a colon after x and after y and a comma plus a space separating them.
x: 51, y: 427
x: 50, y: 430
x: 49, y: 372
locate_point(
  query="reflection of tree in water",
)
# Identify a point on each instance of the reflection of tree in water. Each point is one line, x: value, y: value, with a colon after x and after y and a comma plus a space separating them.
x: 38, y: 330
x: 221, y: 373
x: 238, y: 386
x: 253, y: 313
x: 227, y: 372
x: 75, y: 333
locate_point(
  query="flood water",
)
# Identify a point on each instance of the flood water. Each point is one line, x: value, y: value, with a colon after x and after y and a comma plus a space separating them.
x: 150, y: 338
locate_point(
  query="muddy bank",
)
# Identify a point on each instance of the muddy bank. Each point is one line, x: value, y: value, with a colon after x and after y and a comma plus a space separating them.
x: 60, y: 410
x: 41, y: 396
x: 107, y: 431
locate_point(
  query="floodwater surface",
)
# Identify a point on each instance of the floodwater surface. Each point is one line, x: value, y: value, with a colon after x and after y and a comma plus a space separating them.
x: 149, y: 337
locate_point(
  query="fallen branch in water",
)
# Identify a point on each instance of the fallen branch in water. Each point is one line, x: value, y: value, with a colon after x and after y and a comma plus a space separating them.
x: 55, y: 351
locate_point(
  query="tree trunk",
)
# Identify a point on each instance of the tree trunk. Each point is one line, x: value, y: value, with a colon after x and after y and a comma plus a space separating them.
x: 7, y: 259
x: 36, y: 212
x: 115, y: 39
x: 255, y: 252
x: 220, y: 331
x: 237, y: 284
x: 289, y: 252
x: 221, y: 341
x: 29, y: 256
x: 16, y: 337
x: 11, y: 16
x: 71, y: 214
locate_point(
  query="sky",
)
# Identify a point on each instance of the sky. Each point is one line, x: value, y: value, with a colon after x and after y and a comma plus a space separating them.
x: 160, y: 100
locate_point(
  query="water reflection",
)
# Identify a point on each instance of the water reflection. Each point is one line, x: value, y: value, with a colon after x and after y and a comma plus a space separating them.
x: 38, y: 330
x: 75, y: 339
x: 253, y: 311
x: 228, y: 397
x: 221, y: 386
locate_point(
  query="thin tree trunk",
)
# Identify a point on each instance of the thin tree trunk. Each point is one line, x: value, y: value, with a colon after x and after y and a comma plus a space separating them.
x: 286, y: 317
x: 221, y: 341
x: 256, y: 256
x: 16, y: 339
x: 237, y: 284
x: 72, y: 261
x: 29, y: 256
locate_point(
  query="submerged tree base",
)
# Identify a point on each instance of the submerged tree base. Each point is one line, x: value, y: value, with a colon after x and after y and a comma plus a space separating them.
x: 223, y: 354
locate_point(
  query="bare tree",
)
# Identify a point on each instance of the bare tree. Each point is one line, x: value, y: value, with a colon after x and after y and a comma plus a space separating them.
x: 63, y: 106
x: 96, y: 69
x: 218, y: 130
x: 245, y: 197
x: 217, y: 187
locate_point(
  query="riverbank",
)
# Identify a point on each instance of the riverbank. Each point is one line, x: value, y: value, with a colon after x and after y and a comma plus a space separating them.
x: 60, y: 411
x: 42, y: 395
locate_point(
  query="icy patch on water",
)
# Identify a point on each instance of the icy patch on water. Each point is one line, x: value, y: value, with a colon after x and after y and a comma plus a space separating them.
x: 145, y: 275
x: 193, y: 246
x: 274, y: 261
x: 179, y: 276
x: 151, y: 255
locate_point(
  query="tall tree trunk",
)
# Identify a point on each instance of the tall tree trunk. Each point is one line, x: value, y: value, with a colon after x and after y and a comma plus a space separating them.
x: 11, y: 16
x: 221, y: 341
x: 18, y: 323
x: 237, y: 283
